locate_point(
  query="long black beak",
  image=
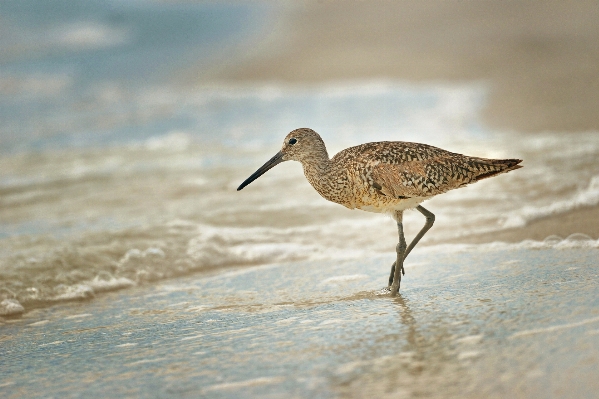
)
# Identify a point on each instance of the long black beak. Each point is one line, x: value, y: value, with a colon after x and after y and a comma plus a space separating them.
x: 272, y: 162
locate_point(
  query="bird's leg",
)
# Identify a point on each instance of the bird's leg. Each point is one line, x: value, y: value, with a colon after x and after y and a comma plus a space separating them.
x: 430, y: 219
x: 392, y: 274
x: 400, y: 249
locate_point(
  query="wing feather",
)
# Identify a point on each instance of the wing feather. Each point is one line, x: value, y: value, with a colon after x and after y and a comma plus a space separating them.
x: 409, y: 179
x: 405, y: 170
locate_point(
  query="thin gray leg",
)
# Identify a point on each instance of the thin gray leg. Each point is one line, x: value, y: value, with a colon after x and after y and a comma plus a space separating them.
x: 401, y: 250
x: 392, y: 274
x: 430, y: 219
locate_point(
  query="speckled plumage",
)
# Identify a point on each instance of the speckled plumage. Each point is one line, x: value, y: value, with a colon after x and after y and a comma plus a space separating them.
x: 384, y: 177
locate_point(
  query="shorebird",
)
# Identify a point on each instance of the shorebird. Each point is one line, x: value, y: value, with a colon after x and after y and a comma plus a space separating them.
x: 384, y: 177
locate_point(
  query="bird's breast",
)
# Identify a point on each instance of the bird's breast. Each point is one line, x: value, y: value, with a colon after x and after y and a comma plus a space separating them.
x: 334, y: 187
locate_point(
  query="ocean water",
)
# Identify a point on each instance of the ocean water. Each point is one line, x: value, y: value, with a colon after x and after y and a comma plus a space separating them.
x: 131, y: 267
x: 115, y: 173
x: 480, y: 321
x: 142, y: 188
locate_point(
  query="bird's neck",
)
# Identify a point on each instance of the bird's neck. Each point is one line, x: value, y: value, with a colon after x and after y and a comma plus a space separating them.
x: 317, y: 166
x: 320, y: 172
x: 316, y: 163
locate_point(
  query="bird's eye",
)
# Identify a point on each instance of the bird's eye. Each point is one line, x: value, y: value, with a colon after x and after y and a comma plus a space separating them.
x: 292, y: 141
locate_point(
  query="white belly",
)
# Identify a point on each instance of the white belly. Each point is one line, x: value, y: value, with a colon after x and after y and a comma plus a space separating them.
x: 395, y: 205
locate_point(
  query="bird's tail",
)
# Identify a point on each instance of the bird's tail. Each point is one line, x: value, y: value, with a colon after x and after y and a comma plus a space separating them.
x: 494, y: 167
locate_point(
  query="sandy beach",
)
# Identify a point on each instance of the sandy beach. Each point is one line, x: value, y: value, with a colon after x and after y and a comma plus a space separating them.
x: 541, y: 61
x: 121, y: 152
x: 130, y: 265
x: 481, y: 323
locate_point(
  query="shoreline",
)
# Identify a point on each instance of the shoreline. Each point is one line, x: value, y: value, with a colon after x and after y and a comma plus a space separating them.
x: 325, y: 331
x: 541, y: 60
x: 577, y: 221
x: 537, y: 59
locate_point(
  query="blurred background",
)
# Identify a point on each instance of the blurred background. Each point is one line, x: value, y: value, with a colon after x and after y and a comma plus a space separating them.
x: 126, y: 125
x: 540, y: 59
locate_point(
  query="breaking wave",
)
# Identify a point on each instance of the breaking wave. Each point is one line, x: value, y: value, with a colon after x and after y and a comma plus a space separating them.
x: 588, y: 196
x: 49, y: 272
x: 79, y: 270
x: 122, y: 210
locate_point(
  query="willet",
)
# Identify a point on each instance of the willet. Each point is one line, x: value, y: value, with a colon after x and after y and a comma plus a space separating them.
x: 384, y: 177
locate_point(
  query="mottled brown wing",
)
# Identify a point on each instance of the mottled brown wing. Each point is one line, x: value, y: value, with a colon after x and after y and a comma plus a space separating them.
x: 413, y: 179
x: 404, y: 170
x: 436, y: 174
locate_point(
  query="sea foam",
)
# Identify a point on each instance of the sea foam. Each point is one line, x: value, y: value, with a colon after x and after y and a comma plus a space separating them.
x: 589, y: 196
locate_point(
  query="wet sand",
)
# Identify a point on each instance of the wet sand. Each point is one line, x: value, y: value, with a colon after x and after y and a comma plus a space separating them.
x: 578, y: 221
x: 503, y: 322
x: 541, y: 61
x: 492, y: 320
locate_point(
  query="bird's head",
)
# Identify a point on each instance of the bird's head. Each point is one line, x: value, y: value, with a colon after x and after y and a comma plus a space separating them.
x: 300, y: 145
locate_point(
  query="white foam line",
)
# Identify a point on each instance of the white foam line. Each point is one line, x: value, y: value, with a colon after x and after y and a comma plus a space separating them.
x: 51, y: 343
x: 126, y: 345
x: 146, y: 361
x: 244, y: 384
x: 40, y: 323
x: 78, y: 316
x: 555, y: 328
x: 245, y: 270
x: 192, y: 337
x: 559, y: 243
x: 586, y: 197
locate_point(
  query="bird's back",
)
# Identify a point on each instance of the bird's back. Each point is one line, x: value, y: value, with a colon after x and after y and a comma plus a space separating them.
x: 395, y: 170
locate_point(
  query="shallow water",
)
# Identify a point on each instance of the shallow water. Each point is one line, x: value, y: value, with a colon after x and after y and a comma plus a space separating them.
x: 115, y: 177
x: 475, y: 321
x: 112, y: 210
x: 116, y: 173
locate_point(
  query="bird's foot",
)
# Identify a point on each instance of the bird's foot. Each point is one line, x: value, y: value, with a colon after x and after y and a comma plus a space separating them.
x: 394, y: 289
x: 383, y: 291
x: 392, y: 274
